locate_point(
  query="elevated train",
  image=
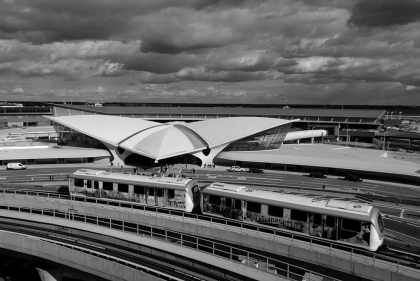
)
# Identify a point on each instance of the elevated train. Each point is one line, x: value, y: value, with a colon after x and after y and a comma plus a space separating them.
x: 348, y: 222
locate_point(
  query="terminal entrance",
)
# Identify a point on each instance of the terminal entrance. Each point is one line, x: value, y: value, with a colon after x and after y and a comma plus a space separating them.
x: 143, y: 161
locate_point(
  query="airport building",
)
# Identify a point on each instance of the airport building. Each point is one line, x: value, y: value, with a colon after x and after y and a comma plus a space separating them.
x: 343, y: 124
x: 18, y: 115
x: 141, y: 142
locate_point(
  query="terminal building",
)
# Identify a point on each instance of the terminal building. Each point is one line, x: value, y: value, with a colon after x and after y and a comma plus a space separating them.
x: 141, y: 142
x: 18, y: 115
x: 272, y: 138
x: 344, y: 124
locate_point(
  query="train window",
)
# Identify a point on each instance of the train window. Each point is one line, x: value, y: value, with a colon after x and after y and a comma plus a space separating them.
x: 123, y: 187
x: 171, y: 193
x: 107, y: 186
x: 96, y: 185
x: 238, y: 204
x: 254, y: 207
x: 151, y: 191
x: 78, y: 182
x: 159, y: 192
x: 317, y: 219
x: 88, y: 184
x: 330, y: 221
x: 299, y: 215
x: 138, y: 189
x: 275, y: 211
x: 351, y: 225
x: 229, y: 202
x: 380, y: 223
x: 215, y: 200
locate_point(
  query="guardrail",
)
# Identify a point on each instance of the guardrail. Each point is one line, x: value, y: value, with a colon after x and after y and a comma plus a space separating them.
x: 321, y: 245
x: 258, y: 261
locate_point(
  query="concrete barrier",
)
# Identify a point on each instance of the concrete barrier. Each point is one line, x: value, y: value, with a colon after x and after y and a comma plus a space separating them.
x: 72, y: 258
x: 357, y: 268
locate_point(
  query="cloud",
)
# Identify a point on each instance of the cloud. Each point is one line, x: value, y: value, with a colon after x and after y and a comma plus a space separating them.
x: 384, y: 13
x: 3, y: 92
x: 100, y: 90
x: 257, y: 51
x: 18, y: 91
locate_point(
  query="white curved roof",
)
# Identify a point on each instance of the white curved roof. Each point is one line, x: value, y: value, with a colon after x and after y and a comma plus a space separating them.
x: 109, y: 129
x: 159, y: 141
x: 224, y: 130
x: 163, y: 142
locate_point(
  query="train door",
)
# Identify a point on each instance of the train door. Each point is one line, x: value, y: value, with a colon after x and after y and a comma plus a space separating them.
x: 195, y: 190
x: 89, y: 189
x: 237, y: 212
x: 96, y: 191
x: 151, y: 200
x: 159, y: 197
x: 139, y: 193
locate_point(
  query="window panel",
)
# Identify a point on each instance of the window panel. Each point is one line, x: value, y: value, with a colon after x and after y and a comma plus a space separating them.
x: 299, y: 215
x: 254, y: 207
x: 351, y: 225
x: 123, y: 187
x: 108, y: 186
x: 78, y: 182
x: 138, y: 189
x: 275, y: 211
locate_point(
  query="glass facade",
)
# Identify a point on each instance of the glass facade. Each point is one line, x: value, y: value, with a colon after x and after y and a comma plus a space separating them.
x: 75, y: 138
x: 26, y: 109
x: 266, y: 140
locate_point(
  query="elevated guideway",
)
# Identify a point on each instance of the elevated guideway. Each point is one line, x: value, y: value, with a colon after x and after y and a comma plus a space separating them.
x: 339, y: 257
x: 113, y: 254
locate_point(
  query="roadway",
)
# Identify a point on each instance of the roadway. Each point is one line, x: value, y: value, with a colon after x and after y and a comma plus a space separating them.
x: 275, y: 180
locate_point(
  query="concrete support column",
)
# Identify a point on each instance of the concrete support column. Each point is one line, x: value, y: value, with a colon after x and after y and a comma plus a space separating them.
x: 55, y: 274
x: 206, y: 160
x: 298, y: 141
x: 118, y: 159
x: 312, y: 140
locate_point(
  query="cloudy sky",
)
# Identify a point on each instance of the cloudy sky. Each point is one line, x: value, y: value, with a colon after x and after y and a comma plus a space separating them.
x: 280, y: 51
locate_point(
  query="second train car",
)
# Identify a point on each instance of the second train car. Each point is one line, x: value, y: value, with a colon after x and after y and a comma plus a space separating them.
x: 343, y: 220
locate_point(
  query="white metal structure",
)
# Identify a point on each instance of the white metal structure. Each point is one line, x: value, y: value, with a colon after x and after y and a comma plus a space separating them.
x: 160, y: 141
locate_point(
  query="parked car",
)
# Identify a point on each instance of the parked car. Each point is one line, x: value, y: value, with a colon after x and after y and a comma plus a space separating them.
x: 15, y: 166
x: 317, y: 174
x: 237, y: 169
x: 255, y: 170
x: 350, y: 177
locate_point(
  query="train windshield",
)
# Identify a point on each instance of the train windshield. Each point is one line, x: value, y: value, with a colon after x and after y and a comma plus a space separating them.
x: 380, y: 223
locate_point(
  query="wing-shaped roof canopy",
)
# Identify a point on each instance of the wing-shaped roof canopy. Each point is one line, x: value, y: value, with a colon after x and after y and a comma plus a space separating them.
x: 160, y: 141
x: 164, y: 141
x: 108, y: 129
x: 224, y: 130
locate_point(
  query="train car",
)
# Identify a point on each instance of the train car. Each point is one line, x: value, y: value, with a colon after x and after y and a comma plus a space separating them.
x: 353, y: 223
x: 175, y: 193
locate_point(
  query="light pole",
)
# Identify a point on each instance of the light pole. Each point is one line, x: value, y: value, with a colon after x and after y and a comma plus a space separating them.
x: 347, y: 138
x: 338, y: 139
x: 383, y: 144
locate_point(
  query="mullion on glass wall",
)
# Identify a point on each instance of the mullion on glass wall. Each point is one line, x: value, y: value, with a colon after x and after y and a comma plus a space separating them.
x: 266, y: 140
